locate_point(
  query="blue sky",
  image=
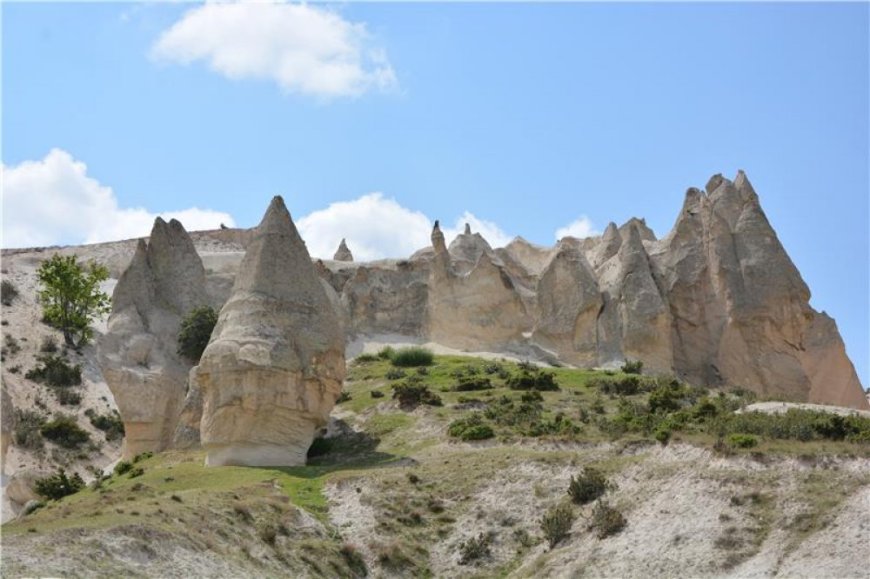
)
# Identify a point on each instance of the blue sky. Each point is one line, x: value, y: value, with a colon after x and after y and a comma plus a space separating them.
x: 522, y: 118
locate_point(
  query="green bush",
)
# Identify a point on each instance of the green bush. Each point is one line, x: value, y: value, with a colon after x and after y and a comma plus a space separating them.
x: 136, y: 472
x: 365, y: 359
x: 56, y: 372
x: 67, y: 397
x: 472, y: 383
x: 411, y: 395
x: 556, y: 523
x: 536, y: 379
x: 123, y: 467
x: 71, y: 297
x: 589, y: 485
x: 472, y: 550
x: 606, y: 520
x: 668, y: 397
x: 111, y: 424
x: 377, y: 394
x: 142, y: 456
x: 195, y: 332
x: 742, y: 440
x: 621, y: 386
x: 386, y: 353
x: 59, y: 485
x: 632, y: 367
x: 49, y: 345
x: 411, y: 357
x: 8, y: 292
x: 65, y: 431
x: 470, y: 428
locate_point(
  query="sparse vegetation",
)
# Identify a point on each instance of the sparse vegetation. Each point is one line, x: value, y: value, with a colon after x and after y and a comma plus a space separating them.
x: 632, y: 367
x: 49, y: 345
x: 471, y: 427
x: 472, y: 550
x: 742, y: 440
x: 27, y: 429
x: 56, y: 372
x: 606, y: 520
x: 195, y: 332
x: 71, y: 297
x: 589, y: 485
x: 64, y: 431
x: 10, y: 345
x: 8, y: 292
x: 535, y: 379
x: 411, y: 395
x: 556, y: 523
x: 110, y: 423
x: 59, y: 485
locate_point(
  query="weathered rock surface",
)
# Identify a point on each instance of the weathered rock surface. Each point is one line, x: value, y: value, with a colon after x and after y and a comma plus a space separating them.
x: 7, y: 423
x: 164, y: 281
x: 275, y: 364
x: 343, y: 253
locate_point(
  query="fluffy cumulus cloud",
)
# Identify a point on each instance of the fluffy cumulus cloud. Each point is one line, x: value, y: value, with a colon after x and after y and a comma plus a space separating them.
x: 580, y: 228
x: 377, y: 227
x: 305, y: 49
x: 54, y: 201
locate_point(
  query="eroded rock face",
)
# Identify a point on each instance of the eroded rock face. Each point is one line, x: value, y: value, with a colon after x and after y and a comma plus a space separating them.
x: 148, y: 379
x: 7, y: 423
x: 275, y: 364
x: 343, y: 253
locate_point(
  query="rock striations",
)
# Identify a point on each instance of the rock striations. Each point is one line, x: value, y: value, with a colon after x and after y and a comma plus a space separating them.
x: 275, y: 364
x: 717, y: 302
x: 164, y: 281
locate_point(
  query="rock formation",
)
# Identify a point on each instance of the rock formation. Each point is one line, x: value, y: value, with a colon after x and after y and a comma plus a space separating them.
x: 275, y: 364
x: 343, y: 253
x: 7, y: 424
x: 164, y: 281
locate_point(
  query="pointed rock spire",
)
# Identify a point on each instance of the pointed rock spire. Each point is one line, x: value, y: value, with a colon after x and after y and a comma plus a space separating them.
x: 467, y: 229
x: 343, y: 252
x: 275, y: 364
x: 438, y: 243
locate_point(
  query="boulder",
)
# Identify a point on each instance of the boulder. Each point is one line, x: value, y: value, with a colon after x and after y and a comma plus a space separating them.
x: 275, y: 364
x: 148, y: 379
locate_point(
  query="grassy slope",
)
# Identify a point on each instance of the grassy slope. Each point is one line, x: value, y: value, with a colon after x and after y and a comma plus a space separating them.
x: 423, y: 492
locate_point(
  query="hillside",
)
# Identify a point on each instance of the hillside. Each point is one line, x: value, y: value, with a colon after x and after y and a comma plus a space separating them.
x: 390, y: 492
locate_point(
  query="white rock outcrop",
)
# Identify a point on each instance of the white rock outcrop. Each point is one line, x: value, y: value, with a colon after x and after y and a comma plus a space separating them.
x: 275, y: 364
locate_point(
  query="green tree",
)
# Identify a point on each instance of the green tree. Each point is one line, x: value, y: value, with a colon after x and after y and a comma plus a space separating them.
x: 71, y: 297
x: 195, y: 332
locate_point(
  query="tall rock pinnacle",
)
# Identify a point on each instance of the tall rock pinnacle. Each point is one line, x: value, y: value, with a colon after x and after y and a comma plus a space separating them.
x: 275, y: 364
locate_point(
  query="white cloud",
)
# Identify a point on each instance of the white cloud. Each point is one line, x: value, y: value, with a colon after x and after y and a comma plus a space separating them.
x: 580, y: 228
x: 54, y: 201
x: 376, y: 227
x: 302, y: 48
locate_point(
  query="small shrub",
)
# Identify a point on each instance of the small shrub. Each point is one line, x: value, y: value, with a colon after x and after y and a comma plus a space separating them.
x: 588, y: 486
x: 123, y: 467
x: 411, y: 395
x: 10, y: 345
x: 422, y: 371
x: 662, y: 434
x: 59, y: 485
x: 492, y: 368
x: 142, y: 456
x: 472, y: 550
x: 14, y: 369
x: 111, y: 424
x: 176, y: 498
x: 365, y: 359
x: 742, y: 441
x: 386, y: 353
x: 620, y: 386
x: 136, y: 472
x: 27, y: 429
x: 195, y: 332
x: 343, y: 397
x: 411, y: 357
x: 8, y: 292
x: 556, y: 523
x: 533, y: 380
x: 65, y: 431
x: 67, y: 397
x: 606, y: 520
x: 470, y: 428
x: 472, y: 383
x: 632, y: 367
x: 56, y: 372
x: 354, y: 560
x: 49, y: 345
x: 267, y: 533
x: 395, y: 374
x: 377, y: 394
